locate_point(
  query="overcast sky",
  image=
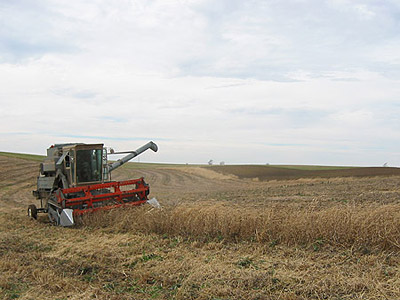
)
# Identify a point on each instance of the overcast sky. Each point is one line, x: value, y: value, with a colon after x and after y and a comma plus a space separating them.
x: 255, y: 81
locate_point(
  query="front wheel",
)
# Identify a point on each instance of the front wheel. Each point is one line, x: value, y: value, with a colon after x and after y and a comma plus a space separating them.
x: 32, y: 211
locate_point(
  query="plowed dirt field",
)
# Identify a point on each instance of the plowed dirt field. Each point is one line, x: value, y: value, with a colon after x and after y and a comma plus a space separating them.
x: 229, y: 232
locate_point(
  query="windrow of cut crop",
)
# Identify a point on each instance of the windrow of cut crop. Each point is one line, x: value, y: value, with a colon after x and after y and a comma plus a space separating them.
x: 346, y: 226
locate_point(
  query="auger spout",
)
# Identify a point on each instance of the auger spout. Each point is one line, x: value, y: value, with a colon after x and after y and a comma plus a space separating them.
x: 120, y: 162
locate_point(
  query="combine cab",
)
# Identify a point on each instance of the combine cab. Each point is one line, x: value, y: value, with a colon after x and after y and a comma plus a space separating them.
x: 76, y: 178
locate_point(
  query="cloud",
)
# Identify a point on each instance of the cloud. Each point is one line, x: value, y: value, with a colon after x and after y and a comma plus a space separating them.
x: 259, y: 39
x: 29, y: 30
x: 239, y: 81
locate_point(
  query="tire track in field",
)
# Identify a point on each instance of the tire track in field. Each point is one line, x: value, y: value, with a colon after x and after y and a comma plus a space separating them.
x: 163, y: 178
x: 175, y: 185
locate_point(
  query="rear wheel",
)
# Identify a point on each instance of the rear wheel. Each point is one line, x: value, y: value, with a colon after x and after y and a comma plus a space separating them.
x: 32, y: 211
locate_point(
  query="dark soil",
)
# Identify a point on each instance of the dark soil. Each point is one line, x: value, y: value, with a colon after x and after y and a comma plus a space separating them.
x: 278, y: 173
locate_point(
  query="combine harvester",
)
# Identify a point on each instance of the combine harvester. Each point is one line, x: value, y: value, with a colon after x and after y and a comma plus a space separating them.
x: 75, y: 179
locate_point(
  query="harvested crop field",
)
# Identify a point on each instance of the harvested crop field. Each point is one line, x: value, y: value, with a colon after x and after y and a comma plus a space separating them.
x: 295, y: 172
x: 225, y: 232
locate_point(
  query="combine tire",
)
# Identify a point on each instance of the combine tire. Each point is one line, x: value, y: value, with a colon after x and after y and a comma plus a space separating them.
x: 32, y: 211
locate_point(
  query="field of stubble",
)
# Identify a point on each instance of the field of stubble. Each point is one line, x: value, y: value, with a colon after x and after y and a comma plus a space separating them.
x: 223, y: 233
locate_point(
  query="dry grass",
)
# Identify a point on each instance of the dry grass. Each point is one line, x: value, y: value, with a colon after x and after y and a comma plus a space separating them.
x: 207, y: 173
x: 358, y: 227
x: 214, y: 239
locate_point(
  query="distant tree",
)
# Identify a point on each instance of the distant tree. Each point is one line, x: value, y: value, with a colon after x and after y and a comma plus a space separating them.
x: 222, y: 163
x: 210, y: 162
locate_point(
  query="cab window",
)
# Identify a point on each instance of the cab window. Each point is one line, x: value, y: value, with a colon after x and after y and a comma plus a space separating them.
x: 88, y: 165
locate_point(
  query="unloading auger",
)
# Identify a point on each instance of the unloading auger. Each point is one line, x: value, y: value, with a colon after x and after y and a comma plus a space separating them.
x: 75, y: 179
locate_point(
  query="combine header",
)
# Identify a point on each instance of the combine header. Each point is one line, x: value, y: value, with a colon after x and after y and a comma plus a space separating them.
x: 76, y: 178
